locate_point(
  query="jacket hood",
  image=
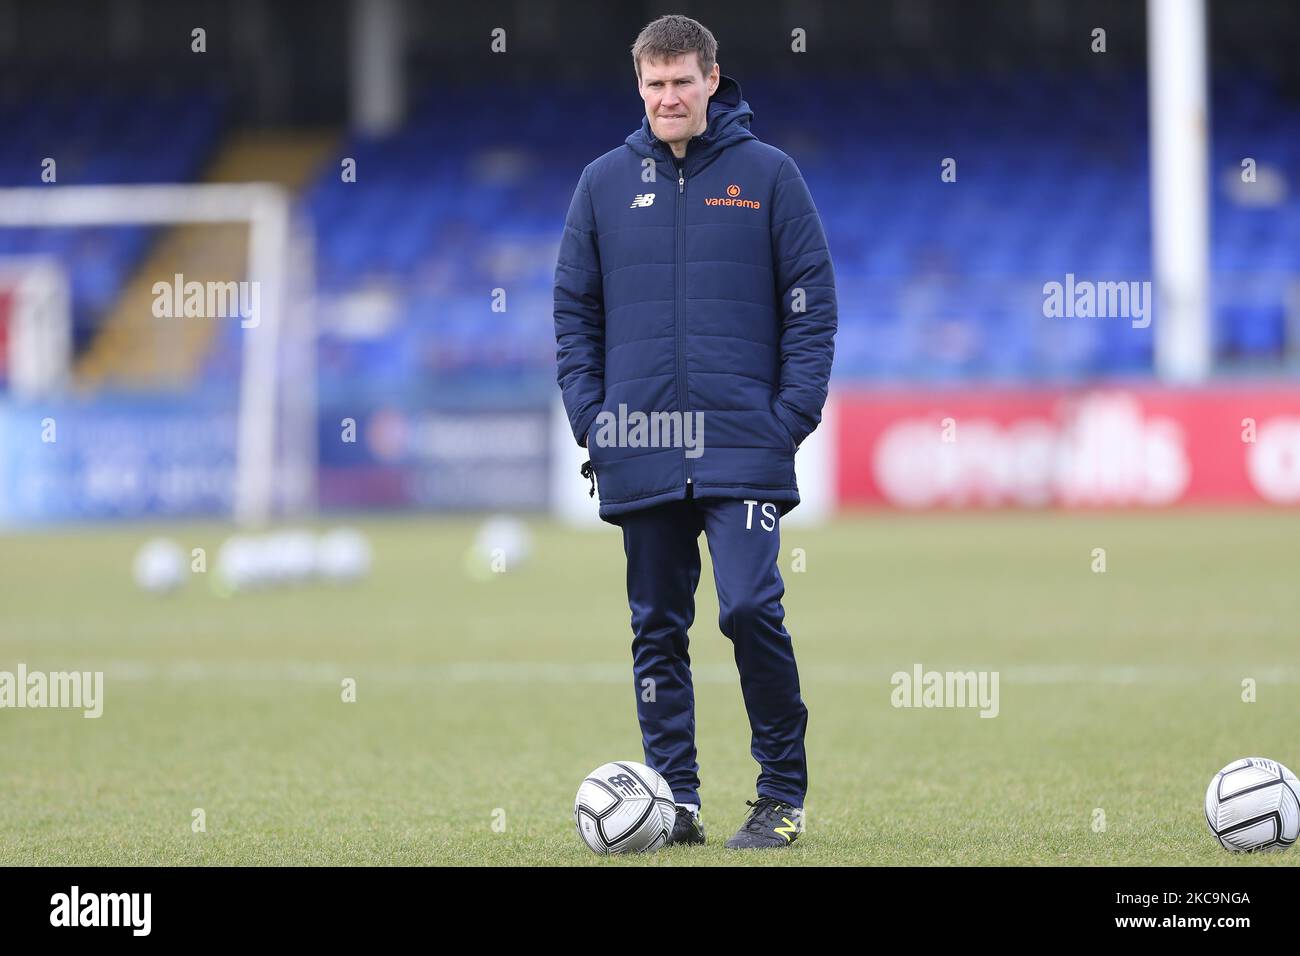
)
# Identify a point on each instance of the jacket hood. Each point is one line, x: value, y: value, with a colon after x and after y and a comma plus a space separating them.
x: 729, y: 117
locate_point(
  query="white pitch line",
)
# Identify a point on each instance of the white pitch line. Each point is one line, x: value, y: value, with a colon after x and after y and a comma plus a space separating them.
x: 552, y: 672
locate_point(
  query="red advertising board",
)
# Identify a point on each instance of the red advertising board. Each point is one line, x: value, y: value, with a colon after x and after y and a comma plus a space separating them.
x: 1095, y: 447
x: 6, y: 318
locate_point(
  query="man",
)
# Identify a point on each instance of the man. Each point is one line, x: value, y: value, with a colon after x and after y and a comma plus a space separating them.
x: 694, y: 289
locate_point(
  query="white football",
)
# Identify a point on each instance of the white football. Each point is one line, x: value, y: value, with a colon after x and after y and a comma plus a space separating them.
x: 624, y: 807
x: 343, y: 556
x: 241, y: 562
x: 503, y: 543
x: 290, y: 556
x: 159, y: 566
x: 1253, y: 804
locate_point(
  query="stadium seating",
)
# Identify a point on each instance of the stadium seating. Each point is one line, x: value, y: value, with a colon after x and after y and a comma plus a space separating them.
x: 937, y: 281
x: 111, y: 137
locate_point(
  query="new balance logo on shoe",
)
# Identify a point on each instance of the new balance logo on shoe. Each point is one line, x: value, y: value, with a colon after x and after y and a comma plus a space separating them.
x: 771, y: 823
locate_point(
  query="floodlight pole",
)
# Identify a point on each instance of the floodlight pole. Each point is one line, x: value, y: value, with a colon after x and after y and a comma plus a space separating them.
x: 1179, y: 188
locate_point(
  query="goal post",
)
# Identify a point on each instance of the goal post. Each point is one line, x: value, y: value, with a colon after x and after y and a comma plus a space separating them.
x: 282, y: 319
x: 35, y: 325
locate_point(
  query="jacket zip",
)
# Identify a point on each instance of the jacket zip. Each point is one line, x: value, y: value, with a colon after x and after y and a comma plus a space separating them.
x: 681, y: 311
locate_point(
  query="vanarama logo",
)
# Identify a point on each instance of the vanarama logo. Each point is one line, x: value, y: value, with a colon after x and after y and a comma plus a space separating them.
x: 732, y: 199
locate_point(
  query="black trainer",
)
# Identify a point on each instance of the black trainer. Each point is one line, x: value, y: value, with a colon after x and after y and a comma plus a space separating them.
x: 771, y: 823
x: 688, y: 828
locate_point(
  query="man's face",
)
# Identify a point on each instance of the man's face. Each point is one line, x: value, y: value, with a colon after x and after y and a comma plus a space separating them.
x: 676, y: 97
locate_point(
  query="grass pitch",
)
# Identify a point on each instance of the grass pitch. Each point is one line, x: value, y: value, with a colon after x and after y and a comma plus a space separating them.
x: 481, y: 704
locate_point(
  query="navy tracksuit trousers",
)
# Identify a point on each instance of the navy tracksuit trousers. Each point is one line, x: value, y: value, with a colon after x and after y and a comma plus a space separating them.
x: 663, y: 569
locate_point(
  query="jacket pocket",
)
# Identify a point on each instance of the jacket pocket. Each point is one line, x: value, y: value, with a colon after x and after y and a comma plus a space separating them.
x: 596, y: 451
x: 782, y: 430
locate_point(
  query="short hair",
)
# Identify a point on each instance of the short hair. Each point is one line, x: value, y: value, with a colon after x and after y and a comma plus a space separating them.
x: 669, y: 37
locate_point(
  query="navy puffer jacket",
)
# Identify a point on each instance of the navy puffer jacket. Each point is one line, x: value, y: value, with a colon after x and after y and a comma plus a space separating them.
x: 703, y: 287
